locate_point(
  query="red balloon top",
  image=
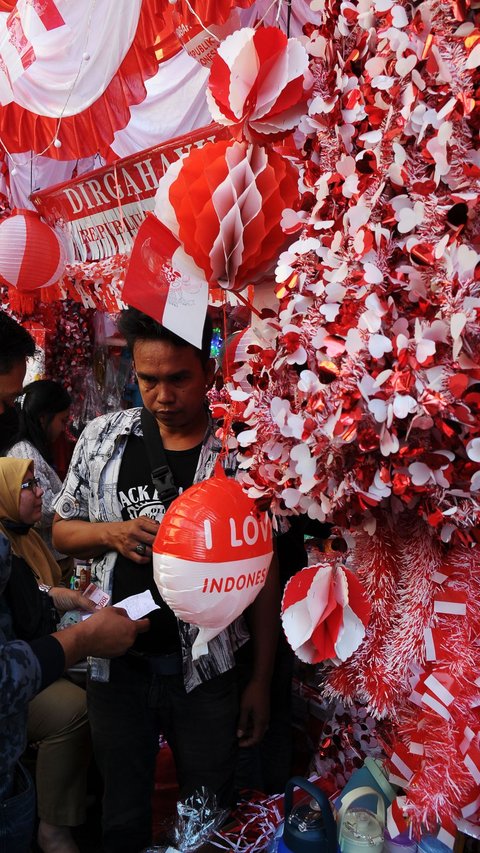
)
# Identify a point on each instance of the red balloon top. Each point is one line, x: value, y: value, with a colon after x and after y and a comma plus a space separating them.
x: 214, y: 521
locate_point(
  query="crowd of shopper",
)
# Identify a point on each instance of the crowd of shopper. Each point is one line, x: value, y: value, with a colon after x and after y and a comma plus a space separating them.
x: 206, y: 708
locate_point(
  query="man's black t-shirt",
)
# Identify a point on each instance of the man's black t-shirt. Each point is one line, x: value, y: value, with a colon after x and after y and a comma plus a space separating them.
x: 138, y: 496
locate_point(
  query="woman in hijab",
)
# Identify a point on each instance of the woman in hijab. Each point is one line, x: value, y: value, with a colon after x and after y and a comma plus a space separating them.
x: 43, y: 410
x: 57, y: 719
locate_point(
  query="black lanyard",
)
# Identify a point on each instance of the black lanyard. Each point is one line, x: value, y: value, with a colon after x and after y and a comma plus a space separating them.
x: 162, y: 477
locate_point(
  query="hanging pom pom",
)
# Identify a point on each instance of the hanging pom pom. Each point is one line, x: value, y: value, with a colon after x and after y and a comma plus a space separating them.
x: 324, y: 612
x: 259, y: 84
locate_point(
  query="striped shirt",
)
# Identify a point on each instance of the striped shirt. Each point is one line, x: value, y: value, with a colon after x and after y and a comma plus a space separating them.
x: 90, y: 493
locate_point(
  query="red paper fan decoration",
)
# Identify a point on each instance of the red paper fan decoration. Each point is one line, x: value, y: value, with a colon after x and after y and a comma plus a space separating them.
x: 259, y: 84
x: 211, y: 555
x: 224, y: 202
x: 324, y: 613
x: 31, y: 254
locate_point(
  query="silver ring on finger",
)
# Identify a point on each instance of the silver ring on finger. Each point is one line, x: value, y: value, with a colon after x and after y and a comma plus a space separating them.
x: 141, y: 549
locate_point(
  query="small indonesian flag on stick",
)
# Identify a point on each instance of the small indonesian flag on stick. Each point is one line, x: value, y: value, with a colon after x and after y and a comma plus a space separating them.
x: 450, y: 601
x: 163, y: 282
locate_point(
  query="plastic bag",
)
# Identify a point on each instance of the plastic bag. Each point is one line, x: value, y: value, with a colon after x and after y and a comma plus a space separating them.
x: 198, y: 817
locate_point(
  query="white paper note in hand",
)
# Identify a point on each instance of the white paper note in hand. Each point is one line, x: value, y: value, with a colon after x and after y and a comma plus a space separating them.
x: 138, y: 605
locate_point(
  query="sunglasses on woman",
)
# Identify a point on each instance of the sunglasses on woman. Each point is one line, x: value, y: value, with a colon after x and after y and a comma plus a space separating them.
x: 31, y: 484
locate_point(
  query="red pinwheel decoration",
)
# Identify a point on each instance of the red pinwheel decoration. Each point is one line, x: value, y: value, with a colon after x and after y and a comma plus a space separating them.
x: 224, y: 203
x: 259, y: 84
x: 324, y: 613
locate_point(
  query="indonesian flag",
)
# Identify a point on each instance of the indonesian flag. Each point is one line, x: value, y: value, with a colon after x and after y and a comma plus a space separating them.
x: 396, y: 822
x: 163, y: 282
x: 450, y: 601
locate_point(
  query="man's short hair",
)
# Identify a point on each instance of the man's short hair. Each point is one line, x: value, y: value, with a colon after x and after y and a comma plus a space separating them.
x: 16, y: 344
x: 134, y: 325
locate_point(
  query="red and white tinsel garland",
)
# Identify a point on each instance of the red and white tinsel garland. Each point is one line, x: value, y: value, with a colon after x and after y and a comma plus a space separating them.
x: 364, y: 397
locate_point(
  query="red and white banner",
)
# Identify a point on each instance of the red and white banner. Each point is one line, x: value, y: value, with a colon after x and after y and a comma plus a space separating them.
x: 101, y: 211
x: 47, y: 44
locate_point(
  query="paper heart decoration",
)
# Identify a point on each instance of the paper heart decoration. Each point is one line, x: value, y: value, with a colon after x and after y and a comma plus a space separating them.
x: 404, y: 405
x: 378, y: 345
x: 211, y: 555
x: 389, y: 443
x: 424, y: 350
x: 325, y: 611
x: 259, y: 84
x: 379, y: 410
x: 473, y: 449
x: 224, y: 203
